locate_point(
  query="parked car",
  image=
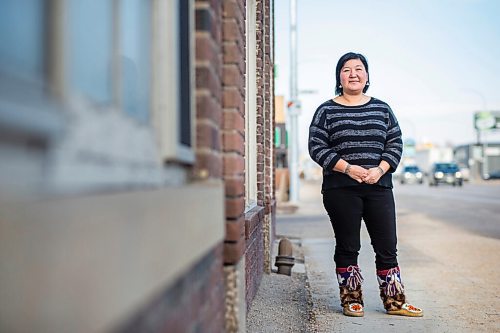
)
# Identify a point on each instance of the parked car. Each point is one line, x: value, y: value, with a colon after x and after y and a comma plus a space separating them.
x: 492, y: 175
x: 445, y: 173
x: 411, y: 174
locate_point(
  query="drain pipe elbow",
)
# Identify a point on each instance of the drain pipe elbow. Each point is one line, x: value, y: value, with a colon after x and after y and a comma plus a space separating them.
x: 285, y: 259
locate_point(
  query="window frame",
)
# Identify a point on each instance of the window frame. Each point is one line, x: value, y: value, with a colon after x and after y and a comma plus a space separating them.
x: 34, y: 115
x: 166, y: 102
x: 251, y: 107
x: 18, y: 114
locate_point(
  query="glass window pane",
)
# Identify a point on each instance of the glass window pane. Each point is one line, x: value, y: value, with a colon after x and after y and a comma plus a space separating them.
x: 22, y: 25
x: 135, y: 57
x: 90, y: 44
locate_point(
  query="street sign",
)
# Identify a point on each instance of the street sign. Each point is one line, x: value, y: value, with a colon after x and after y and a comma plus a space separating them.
x: 294, y: 108
x: 487, y: 120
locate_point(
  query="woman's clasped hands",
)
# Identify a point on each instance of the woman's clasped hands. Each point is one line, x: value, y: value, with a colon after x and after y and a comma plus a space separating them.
x: 368, y: 176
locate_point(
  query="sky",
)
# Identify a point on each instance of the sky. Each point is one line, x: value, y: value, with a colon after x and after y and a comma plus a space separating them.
x: 435, y: 62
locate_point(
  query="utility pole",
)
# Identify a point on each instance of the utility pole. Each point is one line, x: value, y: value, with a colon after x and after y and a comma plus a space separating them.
x: 481, y: 134
x: 294, y: 108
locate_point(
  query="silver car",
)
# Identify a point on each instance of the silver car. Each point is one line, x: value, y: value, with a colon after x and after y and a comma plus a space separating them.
x: 411, y: 174
x: 445, y: 173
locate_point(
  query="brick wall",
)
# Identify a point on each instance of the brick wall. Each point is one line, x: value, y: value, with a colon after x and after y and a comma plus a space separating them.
x: 254, y: 255
x: 258, y: 227
x: 268, y: 115
x: 233, y: 128
x: 195, y: 302
x: 261, y: 88
x: 221, y: 127
x: 269, y: 194
x: 208, y: 93
x: 270, y: 22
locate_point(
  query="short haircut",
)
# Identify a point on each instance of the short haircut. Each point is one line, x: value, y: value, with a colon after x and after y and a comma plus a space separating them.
x: 345, y: 58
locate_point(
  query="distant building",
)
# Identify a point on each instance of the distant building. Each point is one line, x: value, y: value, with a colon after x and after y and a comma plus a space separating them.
x: 280, y: 134
x: 482, y: 161
x: 136, y: 164
x: 282, y: 180
x: 425, y: 156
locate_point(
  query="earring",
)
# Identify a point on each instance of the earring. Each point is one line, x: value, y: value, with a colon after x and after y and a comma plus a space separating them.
x: 340, y: 86
x: 367, y: 83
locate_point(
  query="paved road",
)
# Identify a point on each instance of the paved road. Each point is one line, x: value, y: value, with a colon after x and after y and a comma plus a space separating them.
x: 472, y: 207
x: 449, y: 250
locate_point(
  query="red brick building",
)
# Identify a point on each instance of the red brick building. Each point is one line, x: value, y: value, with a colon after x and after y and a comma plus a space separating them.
x: 136, y: 183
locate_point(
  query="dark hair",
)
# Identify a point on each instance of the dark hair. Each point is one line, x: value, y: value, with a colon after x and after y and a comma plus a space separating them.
x: 345, y: 58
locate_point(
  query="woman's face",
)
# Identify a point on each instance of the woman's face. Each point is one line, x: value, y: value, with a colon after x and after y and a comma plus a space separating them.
x: 353, y: 76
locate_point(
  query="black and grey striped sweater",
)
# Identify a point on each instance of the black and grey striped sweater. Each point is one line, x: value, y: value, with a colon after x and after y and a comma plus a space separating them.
x: 362, y: 135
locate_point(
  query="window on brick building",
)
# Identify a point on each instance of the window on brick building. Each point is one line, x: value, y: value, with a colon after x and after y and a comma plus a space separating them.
x: 27, y: 114
x: 251, y: 107
x: 173, y: 78
x: 22, y: 45
x: 98, y: 49
x: 90, y: 49
x: 109, y: 53
x: 135, y: 57
x: 104, y: 51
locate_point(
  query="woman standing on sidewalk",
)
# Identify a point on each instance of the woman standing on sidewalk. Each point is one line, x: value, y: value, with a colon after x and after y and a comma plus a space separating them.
x: 356, y: 139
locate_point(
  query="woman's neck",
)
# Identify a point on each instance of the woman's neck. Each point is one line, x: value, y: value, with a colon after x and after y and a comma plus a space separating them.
x: 357, y: 99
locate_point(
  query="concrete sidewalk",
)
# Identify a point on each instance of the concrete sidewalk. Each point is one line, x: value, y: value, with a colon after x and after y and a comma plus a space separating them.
x: 434, y: 267
x: 318, y: 250
x: 311, y: 224
x: 326, y: 304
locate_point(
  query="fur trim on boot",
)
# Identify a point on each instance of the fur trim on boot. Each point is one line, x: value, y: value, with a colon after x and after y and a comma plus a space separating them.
x: 351, y: 295
x: 348, y: 296
x: 392, y: 294
x: 392, y: 303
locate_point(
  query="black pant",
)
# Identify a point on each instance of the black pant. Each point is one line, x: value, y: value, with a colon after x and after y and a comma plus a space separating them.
x: 374, y: 204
